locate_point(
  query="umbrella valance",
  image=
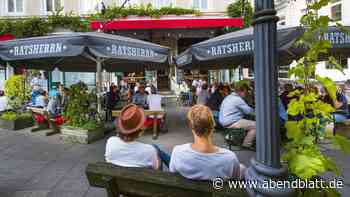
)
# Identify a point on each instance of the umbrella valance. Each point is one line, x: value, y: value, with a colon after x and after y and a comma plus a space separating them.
x: 85, y: 52
x: 237, y: 48
x: 80, y: 51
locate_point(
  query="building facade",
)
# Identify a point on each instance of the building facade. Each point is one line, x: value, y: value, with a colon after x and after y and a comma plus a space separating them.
x: 177, y: 39
x: 290, y: 13
x: 23, y: 8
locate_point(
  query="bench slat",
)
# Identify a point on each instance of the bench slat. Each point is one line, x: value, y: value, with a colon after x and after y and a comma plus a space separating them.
x: 148, y: 182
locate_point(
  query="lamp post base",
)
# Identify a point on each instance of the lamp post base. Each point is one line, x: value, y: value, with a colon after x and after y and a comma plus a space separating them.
x: 267, y: 181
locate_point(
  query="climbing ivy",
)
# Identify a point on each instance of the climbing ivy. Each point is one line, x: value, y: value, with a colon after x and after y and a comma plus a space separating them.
x: 35, y: 26
x: 303, y: 155
x: 143, y: 10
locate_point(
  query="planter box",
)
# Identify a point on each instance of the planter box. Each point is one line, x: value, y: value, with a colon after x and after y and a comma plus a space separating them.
x: 17, y: 124
x: 76, y: 135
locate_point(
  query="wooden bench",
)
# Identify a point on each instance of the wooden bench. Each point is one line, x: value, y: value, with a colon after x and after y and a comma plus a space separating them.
x: 116, y: 113
x: 142, y: 182
x: 48, y: 123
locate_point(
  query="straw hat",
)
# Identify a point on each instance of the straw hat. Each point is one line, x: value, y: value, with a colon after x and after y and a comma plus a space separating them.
x: 131, y: 119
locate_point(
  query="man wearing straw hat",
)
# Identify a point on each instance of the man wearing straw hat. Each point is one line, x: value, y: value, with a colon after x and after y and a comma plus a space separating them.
x: 124, y: 150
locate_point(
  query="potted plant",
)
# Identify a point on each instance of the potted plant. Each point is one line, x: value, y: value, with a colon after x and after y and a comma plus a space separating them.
x: 305, y: 159
x: 18, y: 93
x: 83, y: 124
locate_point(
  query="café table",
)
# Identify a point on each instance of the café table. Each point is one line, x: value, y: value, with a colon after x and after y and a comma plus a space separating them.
x: 154, y: 113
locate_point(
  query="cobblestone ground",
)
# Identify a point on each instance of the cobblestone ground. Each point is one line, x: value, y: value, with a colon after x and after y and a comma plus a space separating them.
x: 33, y: 165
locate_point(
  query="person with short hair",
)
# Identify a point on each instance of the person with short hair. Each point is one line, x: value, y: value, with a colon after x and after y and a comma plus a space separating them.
x: 140, y: 98
x: 202, y: 159
x: 215, y: 101
x: 232, y: 112
x: 124, y: 149
x: 285, y: 99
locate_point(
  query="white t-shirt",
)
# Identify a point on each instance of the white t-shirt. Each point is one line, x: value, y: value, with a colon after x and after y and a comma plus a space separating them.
x: 148, y: 90
x: 204, y: 166
x: 3, y: 103
x: 155, y: 103
x: 130, y: 154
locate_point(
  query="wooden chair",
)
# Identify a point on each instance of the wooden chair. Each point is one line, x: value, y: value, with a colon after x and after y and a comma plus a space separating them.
x: 234, y: 137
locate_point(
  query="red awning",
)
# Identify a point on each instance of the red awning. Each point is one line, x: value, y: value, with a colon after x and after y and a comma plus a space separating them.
x: 174, y: 22
x: 5, y: 37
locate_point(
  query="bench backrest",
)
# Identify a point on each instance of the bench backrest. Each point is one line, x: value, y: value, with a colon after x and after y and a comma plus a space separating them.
x: 151, y: 183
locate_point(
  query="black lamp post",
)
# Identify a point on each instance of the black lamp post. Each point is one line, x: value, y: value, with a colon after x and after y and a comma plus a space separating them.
x: 266, y: 165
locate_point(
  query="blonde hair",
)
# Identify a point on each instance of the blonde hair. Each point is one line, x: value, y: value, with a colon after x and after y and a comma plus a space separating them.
x: 201, y: 120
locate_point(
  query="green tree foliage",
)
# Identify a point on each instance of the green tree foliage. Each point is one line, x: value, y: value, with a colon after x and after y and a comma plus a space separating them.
x: 79, y: 112
x: 17, y: 91
x: 143, y: 10
x: 235, y: 10
x: 35, y: 26
x: 304, y: 158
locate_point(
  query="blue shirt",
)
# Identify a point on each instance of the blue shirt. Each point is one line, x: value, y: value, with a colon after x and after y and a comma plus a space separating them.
x: 282, y: 112
x: 233, y: 109
x: 139, y: 99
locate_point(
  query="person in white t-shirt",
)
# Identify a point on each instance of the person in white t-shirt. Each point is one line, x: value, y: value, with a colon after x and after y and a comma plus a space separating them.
x: 202, y: 160
x: 3, y: 101
x: 124, y: 149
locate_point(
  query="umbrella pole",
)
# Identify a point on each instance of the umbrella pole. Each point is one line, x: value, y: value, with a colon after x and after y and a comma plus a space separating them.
x: 99, y: 85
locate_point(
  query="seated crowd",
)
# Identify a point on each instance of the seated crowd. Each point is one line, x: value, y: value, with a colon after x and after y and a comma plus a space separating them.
x: 232, y: 104
x: 144, y: 96
x: 54, y: 101
x: 199, y: 160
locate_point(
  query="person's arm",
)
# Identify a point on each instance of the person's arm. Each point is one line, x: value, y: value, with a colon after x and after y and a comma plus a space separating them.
x: 244, y: 107
x: 108, y: 152
x: 238, y: 170
x: 134, y: 99
x: 172, y: 167
x: 157, y: 162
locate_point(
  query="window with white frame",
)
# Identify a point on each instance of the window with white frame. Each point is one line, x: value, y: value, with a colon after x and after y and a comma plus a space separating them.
x: 200, y: 4
x: 336, y: 14
x: 15, y: 6
x: 53, y: 5
x: 88, y: 6
x: 163, y: 3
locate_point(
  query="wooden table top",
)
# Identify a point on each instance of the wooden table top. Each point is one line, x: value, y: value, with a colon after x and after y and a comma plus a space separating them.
x: 37, y: 110
x: 116, y: 113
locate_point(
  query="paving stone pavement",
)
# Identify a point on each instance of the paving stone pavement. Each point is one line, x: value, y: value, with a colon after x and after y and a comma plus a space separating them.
x: 33, y: 165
